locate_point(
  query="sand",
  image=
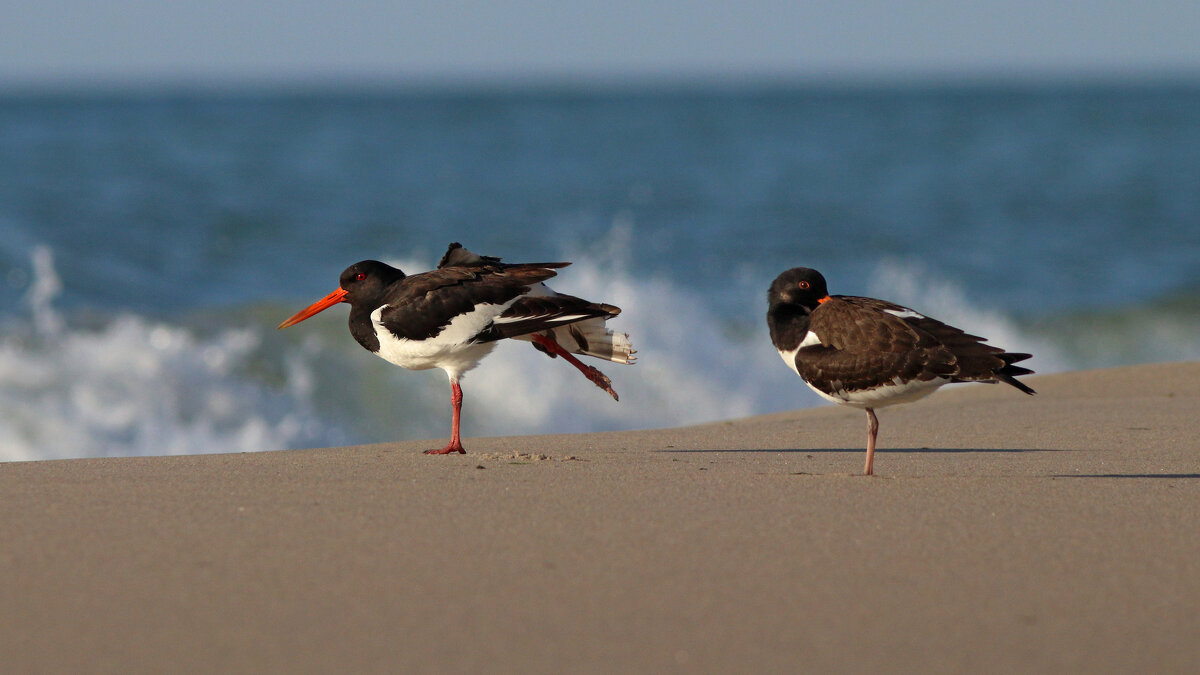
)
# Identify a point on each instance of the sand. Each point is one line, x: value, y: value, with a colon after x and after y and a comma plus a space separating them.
x: 1003, y: 533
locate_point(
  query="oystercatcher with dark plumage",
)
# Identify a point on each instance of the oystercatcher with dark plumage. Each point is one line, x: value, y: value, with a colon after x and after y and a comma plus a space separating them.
x: 868, y: 353
x: 453, y: 316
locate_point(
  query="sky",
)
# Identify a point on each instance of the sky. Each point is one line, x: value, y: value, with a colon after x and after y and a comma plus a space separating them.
x: 100, y: 42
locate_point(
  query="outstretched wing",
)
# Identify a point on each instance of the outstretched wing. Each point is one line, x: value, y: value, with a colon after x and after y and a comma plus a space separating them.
x: 428, y: 302
x: 538, y: 312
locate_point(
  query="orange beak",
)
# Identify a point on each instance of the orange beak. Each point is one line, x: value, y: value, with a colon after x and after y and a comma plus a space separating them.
x: 324, y: 303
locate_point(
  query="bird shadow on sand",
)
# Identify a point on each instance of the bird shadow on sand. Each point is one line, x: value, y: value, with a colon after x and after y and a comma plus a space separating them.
x: 878, y: 451
x: 1127, y: 475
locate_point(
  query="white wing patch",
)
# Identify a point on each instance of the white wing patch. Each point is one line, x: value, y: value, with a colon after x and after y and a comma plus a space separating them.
x: 539, y: 290
x: 904, y: 313
x: 551, y: 317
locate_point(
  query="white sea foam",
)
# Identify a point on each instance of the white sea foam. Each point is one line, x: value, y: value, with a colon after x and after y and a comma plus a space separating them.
x: 138, y: 386
x: 691, y: 368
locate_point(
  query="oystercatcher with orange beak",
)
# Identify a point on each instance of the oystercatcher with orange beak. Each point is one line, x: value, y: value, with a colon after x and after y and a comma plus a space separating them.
x: 453, y: 316
x: 867, y: 353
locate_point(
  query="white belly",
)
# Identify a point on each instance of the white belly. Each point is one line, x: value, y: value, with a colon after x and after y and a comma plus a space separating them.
x: 888, y: 394
x: 452, y: 350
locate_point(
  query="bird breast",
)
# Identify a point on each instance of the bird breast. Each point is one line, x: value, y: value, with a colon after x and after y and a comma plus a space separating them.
x: 453, y: 349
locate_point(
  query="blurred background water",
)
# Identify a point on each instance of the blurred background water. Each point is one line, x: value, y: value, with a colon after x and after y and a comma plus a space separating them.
x: 151, y: 242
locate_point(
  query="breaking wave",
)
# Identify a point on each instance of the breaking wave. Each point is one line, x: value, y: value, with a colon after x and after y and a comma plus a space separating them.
x: 126, y: 384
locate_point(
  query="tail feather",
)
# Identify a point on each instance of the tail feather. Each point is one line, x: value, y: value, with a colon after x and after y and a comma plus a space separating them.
x: 592, y: 338
x: 1008, y: 374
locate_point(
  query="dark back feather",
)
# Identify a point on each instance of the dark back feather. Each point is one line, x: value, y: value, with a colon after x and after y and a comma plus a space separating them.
x: 423, y: 305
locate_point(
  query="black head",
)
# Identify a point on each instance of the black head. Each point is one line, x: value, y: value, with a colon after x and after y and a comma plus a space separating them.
x: 363, y: 285
x: 798, y: 286
x: 366, y: 282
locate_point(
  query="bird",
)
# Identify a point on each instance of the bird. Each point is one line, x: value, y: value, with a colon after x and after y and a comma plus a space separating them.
x: 453, y: 316
x: 868, y: 353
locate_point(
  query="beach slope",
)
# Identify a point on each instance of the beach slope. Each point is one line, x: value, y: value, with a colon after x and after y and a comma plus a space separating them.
x: 1003, y: 533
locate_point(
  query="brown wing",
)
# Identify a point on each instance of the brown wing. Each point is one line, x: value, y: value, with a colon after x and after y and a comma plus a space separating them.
x: 866, y: 343
x: 975, y: 360
x: 863, y: 347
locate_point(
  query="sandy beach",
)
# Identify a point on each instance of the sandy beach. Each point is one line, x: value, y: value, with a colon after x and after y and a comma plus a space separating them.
x: 1003, y: 533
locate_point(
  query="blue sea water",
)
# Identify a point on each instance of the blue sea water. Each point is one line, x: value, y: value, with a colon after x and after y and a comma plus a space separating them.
x: 150, y: 243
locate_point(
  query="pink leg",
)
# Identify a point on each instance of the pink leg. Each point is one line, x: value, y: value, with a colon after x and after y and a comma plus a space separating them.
x: 598, y: 378
x: 455, y: 445
x: 872, y: 432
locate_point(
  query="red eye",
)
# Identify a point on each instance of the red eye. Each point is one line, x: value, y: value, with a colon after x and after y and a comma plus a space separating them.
x: 360, y: 276
x: 803, y: 285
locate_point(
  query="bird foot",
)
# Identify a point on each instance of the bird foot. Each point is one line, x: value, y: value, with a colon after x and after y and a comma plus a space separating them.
x: 450, y: 449
x: 600, y: 380
x: 592, y: 373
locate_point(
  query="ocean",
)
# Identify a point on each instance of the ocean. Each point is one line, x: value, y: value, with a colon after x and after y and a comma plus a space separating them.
x: 151, y: 242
